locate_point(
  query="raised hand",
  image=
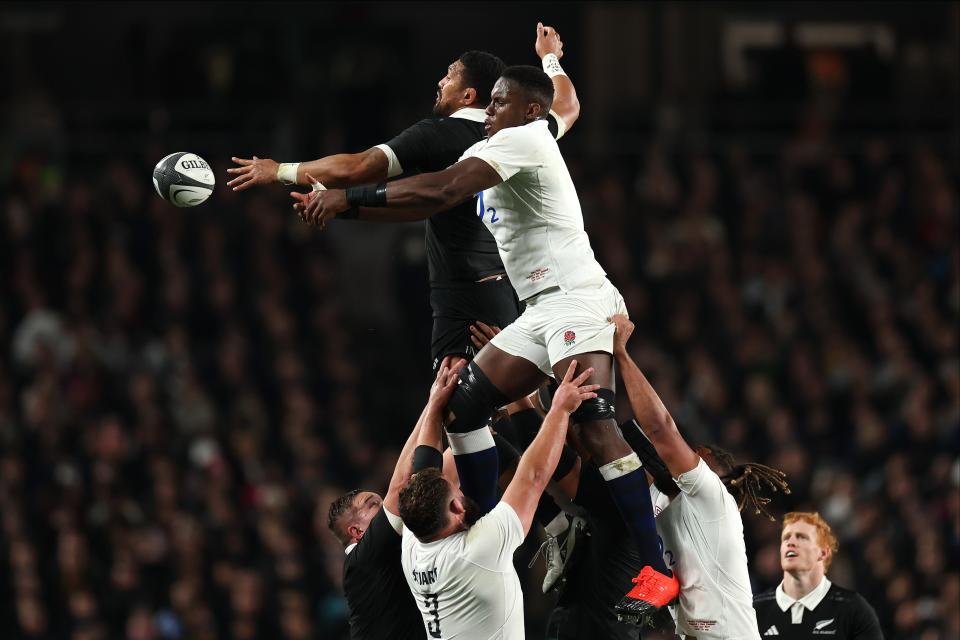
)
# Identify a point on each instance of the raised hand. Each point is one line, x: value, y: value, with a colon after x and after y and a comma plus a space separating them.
x: 548, y: 41
x: 573, y: 391
x: 446, y: 382
x: 251, y: 172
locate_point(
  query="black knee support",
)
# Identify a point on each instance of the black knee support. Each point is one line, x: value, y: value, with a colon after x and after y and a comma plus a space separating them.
x: 595, y: 409
x: 474, y: 400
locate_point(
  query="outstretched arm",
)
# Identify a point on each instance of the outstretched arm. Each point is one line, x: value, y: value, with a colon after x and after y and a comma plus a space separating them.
x: 647, y: 407
x: 339, y: 170
x: 541, y: 457
x: 426, y: 431
x: 414, y: 198
x: 566, y: 106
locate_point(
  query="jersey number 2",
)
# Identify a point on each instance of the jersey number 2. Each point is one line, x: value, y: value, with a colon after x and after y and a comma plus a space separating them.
x: 482, y: 210
x: 433, y: 626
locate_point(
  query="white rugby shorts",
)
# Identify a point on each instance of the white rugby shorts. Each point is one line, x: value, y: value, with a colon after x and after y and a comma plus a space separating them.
x: 558, y: 324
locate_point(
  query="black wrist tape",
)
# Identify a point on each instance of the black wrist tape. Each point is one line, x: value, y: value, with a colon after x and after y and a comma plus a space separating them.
x: 368, y: 195
x: 426, y: 457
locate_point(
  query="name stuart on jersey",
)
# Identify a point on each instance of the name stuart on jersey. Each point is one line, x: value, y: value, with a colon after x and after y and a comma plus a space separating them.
x: 424, y: 577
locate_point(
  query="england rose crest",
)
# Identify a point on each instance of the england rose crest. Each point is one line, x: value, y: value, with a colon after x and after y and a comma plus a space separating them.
x: 569, y: 337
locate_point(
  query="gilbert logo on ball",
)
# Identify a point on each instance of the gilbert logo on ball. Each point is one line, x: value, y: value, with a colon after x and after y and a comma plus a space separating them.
x: 183, y: 179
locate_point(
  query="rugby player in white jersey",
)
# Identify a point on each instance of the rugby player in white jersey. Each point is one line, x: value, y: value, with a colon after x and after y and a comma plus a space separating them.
x: 698, y: 519
x: 460, y: 568
x: 525, y: 196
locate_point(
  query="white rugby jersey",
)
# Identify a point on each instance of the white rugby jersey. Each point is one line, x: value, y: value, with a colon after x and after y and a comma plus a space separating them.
x: 702, y: 537
x: 465, y: 584
x: 534, y: 214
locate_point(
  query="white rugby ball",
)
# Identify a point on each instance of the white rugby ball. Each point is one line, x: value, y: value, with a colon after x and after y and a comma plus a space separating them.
x: 183, y: 179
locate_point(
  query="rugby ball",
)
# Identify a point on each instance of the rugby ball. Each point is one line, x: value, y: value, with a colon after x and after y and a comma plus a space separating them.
x: 183, y: 179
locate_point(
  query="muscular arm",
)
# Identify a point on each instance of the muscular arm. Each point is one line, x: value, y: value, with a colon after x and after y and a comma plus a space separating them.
x: 345, y: 169
x: 429, y: 193
x: 536, y: 466
x: 410, y: 199
x: 540, y: 459
x: 566, y: 105
x: 404, y: 468
x: 650, y: 411
x: 428, y: 426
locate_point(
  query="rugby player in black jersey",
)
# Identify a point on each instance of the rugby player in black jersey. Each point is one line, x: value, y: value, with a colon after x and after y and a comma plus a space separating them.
x: 381, y: 606
x: 467, y: 277
x: 806, y: 604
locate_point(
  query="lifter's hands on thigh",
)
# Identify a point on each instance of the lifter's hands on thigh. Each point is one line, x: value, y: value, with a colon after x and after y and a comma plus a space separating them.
x: 624, y: 329
x: 482, y: 333
x: 572, y: 391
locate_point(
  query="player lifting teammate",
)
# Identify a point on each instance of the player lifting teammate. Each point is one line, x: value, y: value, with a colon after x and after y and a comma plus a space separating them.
x: 369, y: 528
x: 528, y: 201
x: 699, y: 518
x: 458, y: 565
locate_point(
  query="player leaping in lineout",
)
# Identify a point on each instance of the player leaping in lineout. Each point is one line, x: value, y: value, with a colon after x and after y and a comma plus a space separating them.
x: 528, y: 201
x: 467, y: 278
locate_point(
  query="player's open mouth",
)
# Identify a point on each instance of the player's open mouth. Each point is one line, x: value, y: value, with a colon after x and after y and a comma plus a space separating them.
x: 790, y: 554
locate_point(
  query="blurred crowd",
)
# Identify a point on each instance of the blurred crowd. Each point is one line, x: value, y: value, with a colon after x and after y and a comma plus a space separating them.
x: 182, y: 392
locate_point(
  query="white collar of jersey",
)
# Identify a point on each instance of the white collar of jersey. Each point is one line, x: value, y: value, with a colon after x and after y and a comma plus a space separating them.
x: 809, y: 601
x: 470, y: 113
x: 349, y: 548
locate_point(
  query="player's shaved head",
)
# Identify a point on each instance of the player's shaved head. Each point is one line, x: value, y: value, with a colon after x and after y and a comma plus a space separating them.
x: 341, y: 511
x: 532, y: 83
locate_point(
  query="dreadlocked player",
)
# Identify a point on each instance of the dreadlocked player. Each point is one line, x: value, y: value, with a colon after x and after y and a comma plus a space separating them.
x: 697, y: 494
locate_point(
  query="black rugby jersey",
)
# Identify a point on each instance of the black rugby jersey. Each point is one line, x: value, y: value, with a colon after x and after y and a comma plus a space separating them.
x: 381, y: 605
x: 842, y: 614
x: 460, y: 249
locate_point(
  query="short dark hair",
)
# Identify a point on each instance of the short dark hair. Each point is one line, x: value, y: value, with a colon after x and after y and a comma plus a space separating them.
x: 423, y: 503
x: 536, y: 85
x: 338, y: 508
x: 480, y: 71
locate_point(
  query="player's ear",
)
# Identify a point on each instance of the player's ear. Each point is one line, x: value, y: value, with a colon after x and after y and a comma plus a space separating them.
x: 534, y: 111
x: 354, y: 531
x: 469, y: 96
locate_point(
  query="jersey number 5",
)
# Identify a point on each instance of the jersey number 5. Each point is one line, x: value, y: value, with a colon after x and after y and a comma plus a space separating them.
x: 432, y: 603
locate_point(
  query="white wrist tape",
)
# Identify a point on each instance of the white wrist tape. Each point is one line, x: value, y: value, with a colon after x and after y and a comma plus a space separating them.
x: 551, y: 65
x: 287, y: 172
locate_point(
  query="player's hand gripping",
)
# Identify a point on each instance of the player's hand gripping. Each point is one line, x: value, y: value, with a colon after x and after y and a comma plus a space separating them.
x: 445, y: 383
x: 573, y: 391
x: 624, y: 329
x: 482, y: 333
x: 251, y: 172
x: 548, y: 41
x: 319, y: 207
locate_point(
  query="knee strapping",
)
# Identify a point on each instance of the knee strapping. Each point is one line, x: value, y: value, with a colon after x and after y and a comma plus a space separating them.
x: 595, y: 409
x: 474, y: 400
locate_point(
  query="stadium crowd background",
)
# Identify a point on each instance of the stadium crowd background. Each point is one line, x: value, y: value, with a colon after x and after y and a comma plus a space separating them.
x: 180, y: 390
